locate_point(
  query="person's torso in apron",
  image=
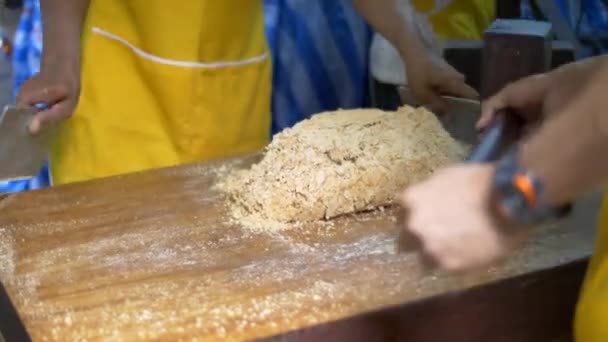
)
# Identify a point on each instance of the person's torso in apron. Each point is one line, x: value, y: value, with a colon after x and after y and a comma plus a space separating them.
x: 591, y: 324
x: 165, y: 84
x: 458, y: 19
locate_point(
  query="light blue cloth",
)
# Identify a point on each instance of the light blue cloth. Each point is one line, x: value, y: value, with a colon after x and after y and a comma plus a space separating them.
x: 591, y: 25
x: 28, y: 44
x: 26, y: 63
x: 320, y: 58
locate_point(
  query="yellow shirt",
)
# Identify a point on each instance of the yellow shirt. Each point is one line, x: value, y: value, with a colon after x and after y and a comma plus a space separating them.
x: 458, y: 19
x: 591, y: 323
x: 165, y: 84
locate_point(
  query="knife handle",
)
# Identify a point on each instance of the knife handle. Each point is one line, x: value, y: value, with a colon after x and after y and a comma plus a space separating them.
x: 505, y: 129
x: 41, y: 106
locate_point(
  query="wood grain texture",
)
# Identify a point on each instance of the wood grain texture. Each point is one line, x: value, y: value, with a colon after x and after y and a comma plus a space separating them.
x: 537, y: 306
x: 152, y: 256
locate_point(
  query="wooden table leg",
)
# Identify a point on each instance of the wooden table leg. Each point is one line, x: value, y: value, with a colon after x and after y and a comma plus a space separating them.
x: 11, y: 326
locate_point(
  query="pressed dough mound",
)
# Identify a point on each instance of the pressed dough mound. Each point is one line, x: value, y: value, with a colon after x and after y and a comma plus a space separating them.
x: 340, y: 162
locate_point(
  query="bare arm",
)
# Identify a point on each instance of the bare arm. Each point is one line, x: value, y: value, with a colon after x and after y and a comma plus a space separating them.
x: 569, y: 152
x: 62, y: 22
x: 58, y: 83
x: 428, y: 75
x: 395, y: 23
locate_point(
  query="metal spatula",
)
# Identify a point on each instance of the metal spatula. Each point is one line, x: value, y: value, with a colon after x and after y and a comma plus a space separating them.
x: 22, y: 154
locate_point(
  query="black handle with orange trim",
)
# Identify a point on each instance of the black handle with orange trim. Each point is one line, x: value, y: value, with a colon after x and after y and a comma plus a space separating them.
x: 505, y: 130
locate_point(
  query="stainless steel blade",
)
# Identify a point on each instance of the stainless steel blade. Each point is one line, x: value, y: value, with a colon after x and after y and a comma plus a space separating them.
x: 460, y: 118
x: 21, y: 154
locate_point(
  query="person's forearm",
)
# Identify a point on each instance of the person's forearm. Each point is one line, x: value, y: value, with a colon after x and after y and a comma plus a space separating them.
x: 395, y: 23
x: 568, y: 153
x: 62, y: 22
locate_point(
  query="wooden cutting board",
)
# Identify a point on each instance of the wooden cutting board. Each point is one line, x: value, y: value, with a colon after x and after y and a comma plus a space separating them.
x: 153, y: 256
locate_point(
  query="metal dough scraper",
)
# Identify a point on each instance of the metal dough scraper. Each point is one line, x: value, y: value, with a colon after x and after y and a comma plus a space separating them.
x: 460, y: 118
x: 22, y: 154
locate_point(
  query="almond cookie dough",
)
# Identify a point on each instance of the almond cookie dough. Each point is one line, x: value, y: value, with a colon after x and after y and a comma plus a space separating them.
x: 340, y: 162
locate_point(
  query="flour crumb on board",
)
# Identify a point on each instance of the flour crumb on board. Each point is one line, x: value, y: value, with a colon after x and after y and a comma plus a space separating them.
x: 337, y: 163
x: 7, y: 253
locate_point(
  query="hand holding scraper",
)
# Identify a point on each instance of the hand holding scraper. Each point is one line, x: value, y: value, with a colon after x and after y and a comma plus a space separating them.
x: 513, y: 49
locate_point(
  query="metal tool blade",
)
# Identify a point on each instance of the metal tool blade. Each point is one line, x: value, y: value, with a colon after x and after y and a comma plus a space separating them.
x: 22, y: 154
x: 407, y: 97
x: 459, y: 120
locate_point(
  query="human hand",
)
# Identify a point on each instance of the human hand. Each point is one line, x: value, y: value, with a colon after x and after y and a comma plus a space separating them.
x: 430, y: 77
x: 58, y: 86
x: 540, y: 96
x: 451, y: 218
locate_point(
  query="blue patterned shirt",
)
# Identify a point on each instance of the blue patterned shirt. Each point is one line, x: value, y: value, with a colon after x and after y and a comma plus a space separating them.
x: 26, y: 63
x: 320, y: 58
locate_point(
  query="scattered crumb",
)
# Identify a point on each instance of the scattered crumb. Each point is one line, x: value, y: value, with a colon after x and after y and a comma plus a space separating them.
x: 7, y: 252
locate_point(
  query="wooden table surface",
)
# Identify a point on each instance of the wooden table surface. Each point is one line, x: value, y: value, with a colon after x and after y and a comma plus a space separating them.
x: 153, y: 256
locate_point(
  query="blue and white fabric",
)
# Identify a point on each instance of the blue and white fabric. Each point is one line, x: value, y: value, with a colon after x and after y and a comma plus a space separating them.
x: 26, y: 63
x: 320, y: 54
x: 588, y: 19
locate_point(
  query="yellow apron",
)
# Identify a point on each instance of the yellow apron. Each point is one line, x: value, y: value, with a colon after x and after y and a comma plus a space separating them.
x: 458, y: 19
x: 591, y: 323
x: 165, y: 84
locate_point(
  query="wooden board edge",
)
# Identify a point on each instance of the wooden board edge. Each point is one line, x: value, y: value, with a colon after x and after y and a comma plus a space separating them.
x: 537, y: 306
x: 11, y: 327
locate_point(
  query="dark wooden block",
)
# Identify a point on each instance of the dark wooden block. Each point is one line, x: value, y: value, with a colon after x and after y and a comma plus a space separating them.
x: 514, y: 49
x: 563, y: 53
x: 465, y: 56
x: 506, y: 9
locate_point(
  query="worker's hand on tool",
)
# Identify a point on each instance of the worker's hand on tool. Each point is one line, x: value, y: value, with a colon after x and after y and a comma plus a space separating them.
x: 450, y: 218
x: 540, y: 96
x: 430, y: 76
x: 59, y: 87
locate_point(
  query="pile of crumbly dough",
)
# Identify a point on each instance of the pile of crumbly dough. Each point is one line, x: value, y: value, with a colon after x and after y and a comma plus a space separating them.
x: 340, y: 162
